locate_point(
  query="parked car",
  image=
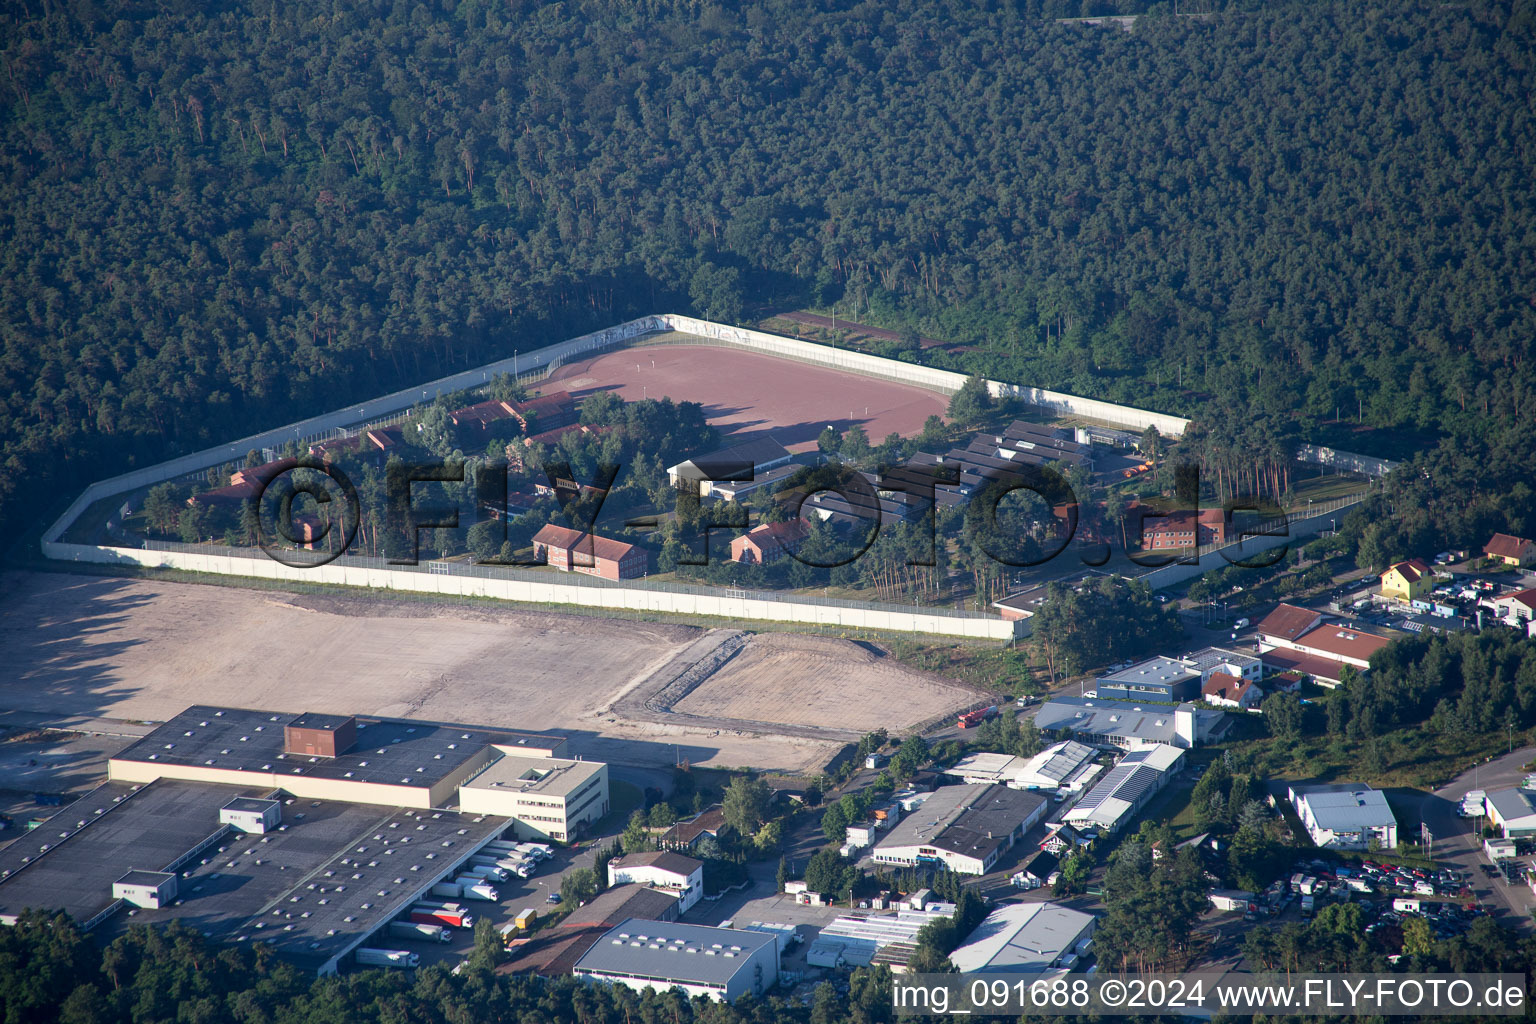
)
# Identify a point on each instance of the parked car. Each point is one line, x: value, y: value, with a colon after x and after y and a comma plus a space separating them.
x: 553, y: 897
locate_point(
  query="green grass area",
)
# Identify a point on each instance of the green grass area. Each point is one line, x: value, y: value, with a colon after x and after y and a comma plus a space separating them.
x: 1007, y: 668
x: 1414, y: 761
x: 1323, y: 487
x: 91, y: 523
x: 1175, y: 806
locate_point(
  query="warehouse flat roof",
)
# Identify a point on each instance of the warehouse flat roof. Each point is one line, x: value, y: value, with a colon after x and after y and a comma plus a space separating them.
x: 688, y: 954
x: 630, y: 901
x: 319, y: 884
x: 1157, y: 671
x: 333, y: 874
x: 70, y: 861
x: 1023, y: 938
x: 392, y: 752
x: 1345, y: 806
x: 968, y: 820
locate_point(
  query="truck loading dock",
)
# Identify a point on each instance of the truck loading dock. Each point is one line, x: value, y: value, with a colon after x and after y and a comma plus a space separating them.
x: 330, y: 876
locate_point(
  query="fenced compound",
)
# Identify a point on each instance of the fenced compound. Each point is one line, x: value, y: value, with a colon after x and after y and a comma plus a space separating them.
x: 451, y: 578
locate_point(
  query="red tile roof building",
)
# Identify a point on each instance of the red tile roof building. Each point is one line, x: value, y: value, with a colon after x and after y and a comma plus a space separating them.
x: 244, y: 484
x: 1347, y: 644
x: 1183, y: 529
x: 1517, y: 606
x: 573, y: 551
x: 1226, y: 690
x: 768, y: 541
x: 546, y: 412
x: 1516, y: 551
x: 1295, y: 664
x: 1287, y: 622
x: 1303, y: 640
x: 480, y: 415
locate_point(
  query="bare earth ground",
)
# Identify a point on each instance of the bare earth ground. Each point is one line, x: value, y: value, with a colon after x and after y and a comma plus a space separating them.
x: 746, y: 393
x: 816, y: 680
x: 143, y: 650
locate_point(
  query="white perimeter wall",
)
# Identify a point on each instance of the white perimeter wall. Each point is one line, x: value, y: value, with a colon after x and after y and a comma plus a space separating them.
x: 553, y: 592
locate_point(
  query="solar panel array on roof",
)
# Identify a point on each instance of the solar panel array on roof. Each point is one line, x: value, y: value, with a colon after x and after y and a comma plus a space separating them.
x: 1139, y: 772
x: 1066, y: 761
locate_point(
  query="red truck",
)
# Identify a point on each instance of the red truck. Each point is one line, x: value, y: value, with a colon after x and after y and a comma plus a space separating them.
x: 452, y: 917
x: 974, y: 718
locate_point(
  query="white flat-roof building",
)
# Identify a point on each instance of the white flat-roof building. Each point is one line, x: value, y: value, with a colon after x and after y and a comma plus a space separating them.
x: 1126, y: 789
x: 682, y: 876
x: 1024, y: 938
x: 1345, y: 816
x: 251, y: 814
x: 149, y: 889
x: 546, y: 797
x: 1118, y: 723
x: 1219, y: 659
x: 1513, y: 810
x: 715, y: 962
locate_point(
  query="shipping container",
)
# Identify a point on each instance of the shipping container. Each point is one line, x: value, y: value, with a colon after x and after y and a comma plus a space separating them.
x: 490, y: 872
x: 525, y: 918
x: 478, y: 889
x: 387, y: 958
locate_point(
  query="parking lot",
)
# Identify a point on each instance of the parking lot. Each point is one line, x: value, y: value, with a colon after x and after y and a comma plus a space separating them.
x: 516, y: 895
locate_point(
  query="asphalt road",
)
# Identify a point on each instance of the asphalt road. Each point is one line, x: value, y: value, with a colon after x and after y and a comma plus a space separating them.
x: 1456, y: 844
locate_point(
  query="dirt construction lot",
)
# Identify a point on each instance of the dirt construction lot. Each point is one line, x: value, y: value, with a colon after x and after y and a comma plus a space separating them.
x: 804, y: 680
x: 143, y: 650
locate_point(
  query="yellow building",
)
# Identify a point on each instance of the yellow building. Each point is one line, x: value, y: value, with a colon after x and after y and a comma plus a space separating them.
x: 1515, y: 551
x: 1406, y: 581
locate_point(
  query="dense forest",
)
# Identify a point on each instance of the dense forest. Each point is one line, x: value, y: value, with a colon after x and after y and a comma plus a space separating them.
x: 1289, y: 220
x: 51, y: 973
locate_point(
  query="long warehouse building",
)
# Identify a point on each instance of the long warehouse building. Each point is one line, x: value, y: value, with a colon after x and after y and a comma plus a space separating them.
x: 308, y: 832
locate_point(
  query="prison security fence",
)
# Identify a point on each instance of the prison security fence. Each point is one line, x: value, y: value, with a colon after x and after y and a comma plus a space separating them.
x: 1257, y: 541
x: 547, y: 587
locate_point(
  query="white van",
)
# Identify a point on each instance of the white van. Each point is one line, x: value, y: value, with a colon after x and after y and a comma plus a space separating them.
x: 1240, y: 624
